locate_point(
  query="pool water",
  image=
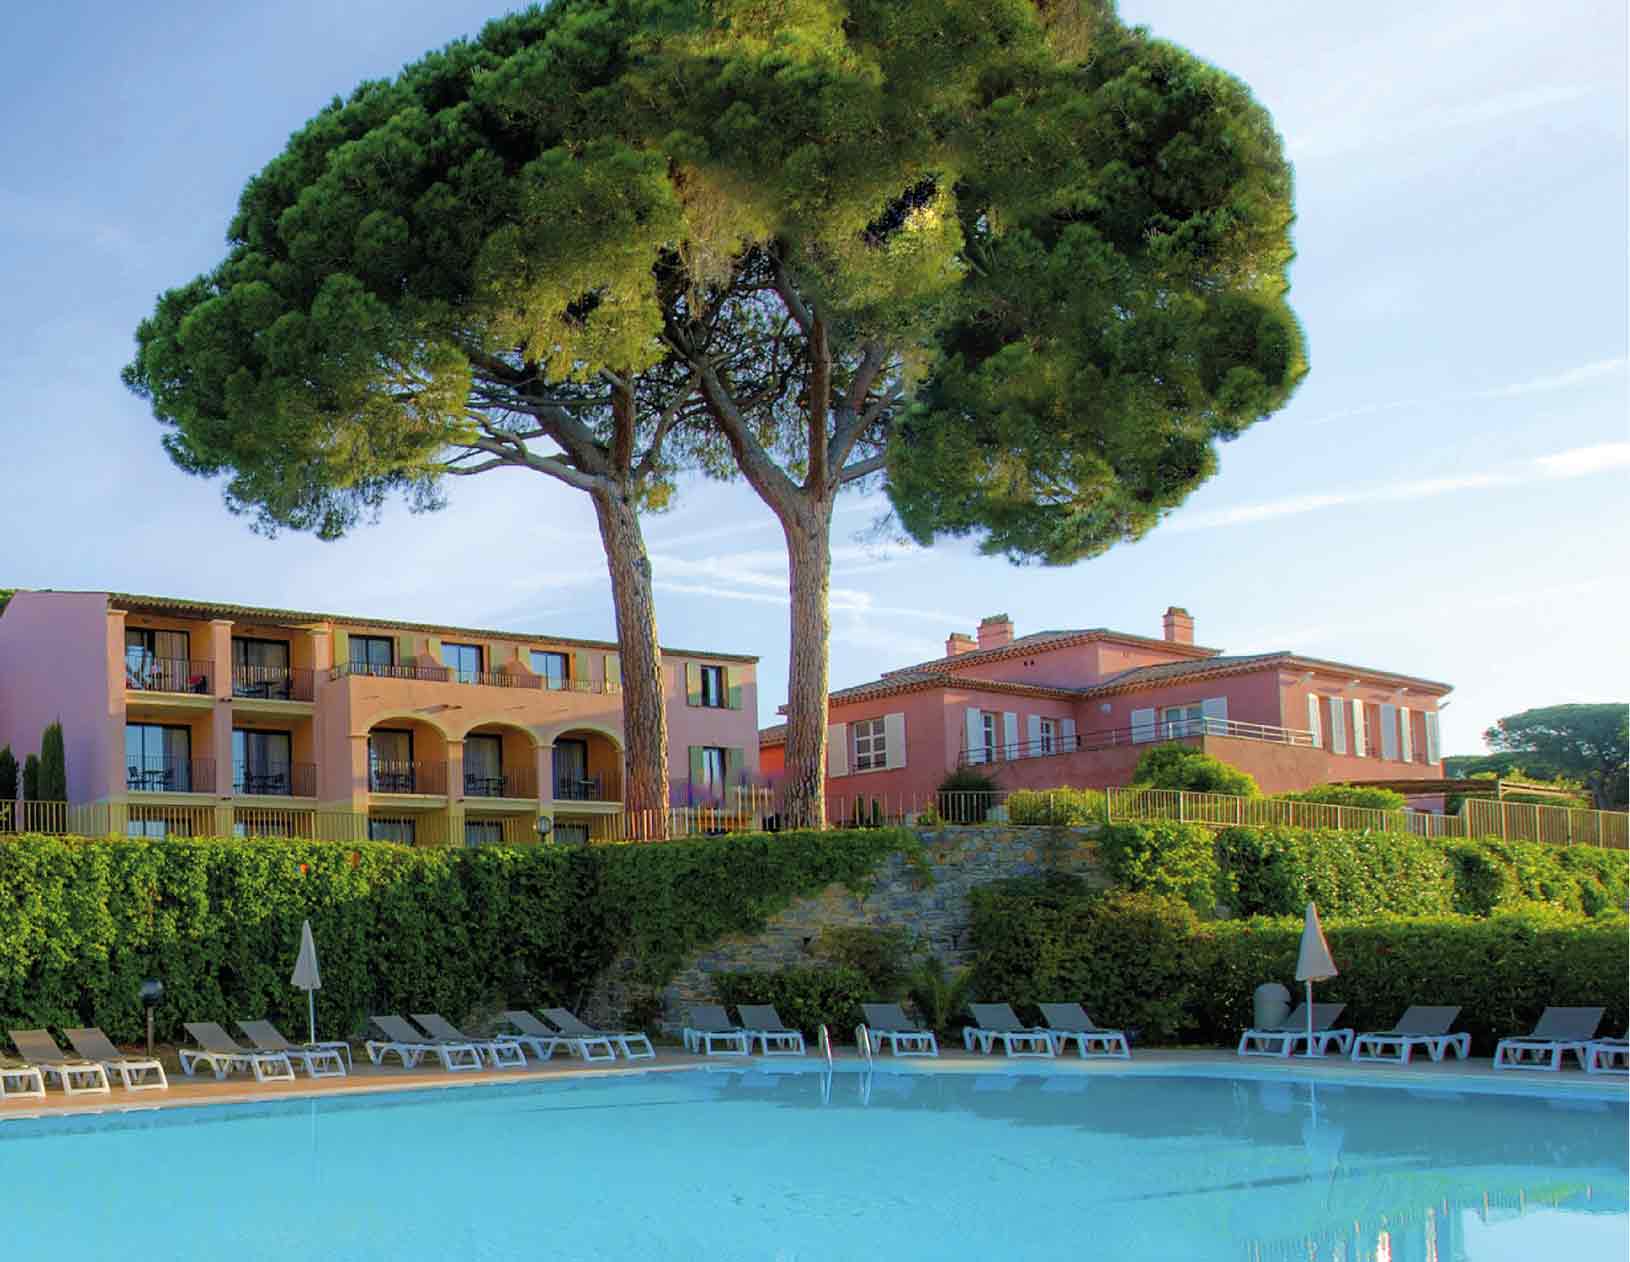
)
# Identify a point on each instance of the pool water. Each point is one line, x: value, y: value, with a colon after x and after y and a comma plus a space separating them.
x: 752, y: 1164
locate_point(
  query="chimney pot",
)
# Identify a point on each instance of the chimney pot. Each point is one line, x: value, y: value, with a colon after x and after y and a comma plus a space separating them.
x: 995, y: 631
x: 1178, y: 625
x: 958, y: 643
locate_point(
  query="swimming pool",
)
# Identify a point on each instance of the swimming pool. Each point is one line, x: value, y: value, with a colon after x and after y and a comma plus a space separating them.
x: 751, y: 1164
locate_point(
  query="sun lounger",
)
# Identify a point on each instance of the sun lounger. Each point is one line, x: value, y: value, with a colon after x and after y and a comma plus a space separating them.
x: 577, y: 1033
x: 1282, y: 1040
x: 502, y: 1053
x: 1070, y: 1021
x: 530, y: 1032
x: 1420, y: 1026
x: 710, y: 1024
x: 995, y: 1021
x: 1607, y: 1056
x: 77, y: 1076
x: 320, y: 1060
x: 411, y: 1046
x: 887, y: 1022
x: 223, y: 1053
x: 21, y: 1082
x: 1560, y: 1031
x: 137, y: 1073
x: 763, y: 1025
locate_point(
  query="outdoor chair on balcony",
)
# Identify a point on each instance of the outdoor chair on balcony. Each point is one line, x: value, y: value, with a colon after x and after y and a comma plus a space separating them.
x: 137, y: 1073
x: 222, y: 1054
x: 1420, y: 1026
x: 1559, y: 1031
x: 411, y: 1046
x: 1281, y: 1040
x: 484, y: 786
x: 998, y: 1021
x: 320, y: 1060
x: 1607, y: 1056
x: 763, y: 1025
x: 1070, y: 1021
x: 576, y: 1032
x: 502, y: 1053
x: 710, y: 1024
x: 78, y: 1077
x: 888, y: 1023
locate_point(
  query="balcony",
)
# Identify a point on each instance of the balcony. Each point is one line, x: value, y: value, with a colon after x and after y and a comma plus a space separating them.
x: 272, y: 683
x: 510, y: 783
x: 1114, y: 737
x: 170, y: 775
x: 605, y: 787
x: 430, y: 673
x: 275, y: 780
x: 168, y: 674
x: 391, y: 776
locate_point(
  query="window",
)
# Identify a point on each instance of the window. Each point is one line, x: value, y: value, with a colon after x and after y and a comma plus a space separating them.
x: 572, y: 783
x: 713, y: 688
x: 464, y: 659
x: 711, y: 765
x: 260, y: 668
x: 1183, y: 720
x: 390, y: 761
x: 570, y: 832
x: 261, y: 762
x: 552, y: 668
x: 158, y: 661
x: 483, y: 832
x: 484, y: 766
x: 1049, y: 736
x: 372, y: 654
x: 987, y: 735
x: 398, y: 830
x: 157, y: 825
x: 158, y: 759
x: 871, y: 745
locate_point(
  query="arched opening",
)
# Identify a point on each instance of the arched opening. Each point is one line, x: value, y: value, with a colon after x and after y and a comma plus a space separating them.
x: 407, y: 756
x: 587, y: 766
x: 500, y: 761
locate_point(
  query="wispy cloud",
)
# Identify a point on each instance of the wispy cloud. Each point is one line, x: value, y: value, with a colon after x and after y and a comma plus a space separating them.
x: 1565, y: 380
x: 1574, y: 463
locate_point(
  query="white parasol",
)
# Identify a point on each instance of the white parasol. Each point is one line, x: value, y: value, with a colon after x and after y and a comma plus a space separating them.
x: 307, y: 978
x: 1313, y: 964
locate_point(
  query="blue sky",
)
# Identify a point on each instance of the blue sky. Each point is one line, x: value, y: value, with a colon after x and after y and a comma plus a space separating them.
x: 1445, y: 497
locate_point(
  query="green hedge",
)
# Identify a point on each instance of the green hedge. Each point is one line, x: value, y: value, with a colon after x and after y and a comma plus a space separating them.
x: 804, y: 998
x: 1349, y: 795
x: 398, y: 928
x: 1059, y: 807
x: 1144, y: 961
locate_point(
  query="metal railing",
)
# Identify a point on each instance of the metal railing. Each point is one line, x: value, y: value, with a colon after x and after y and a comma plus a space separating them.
x: 390, y: 776
x: 273, y: 683
x: 170, y: 775
x: 410, y: 670
x: 433, y: 673
x: 521, y: 782
x: 33, y: 817
x: 1113, y: 737
x: 168, y: 674
x: 605, y: 787
x: 171, y: 821
x: 297, y: 779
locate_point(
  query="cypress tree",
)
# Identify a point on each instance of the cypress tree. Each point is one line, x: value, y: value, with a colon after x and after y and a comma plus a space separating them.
x: 31, y: 777
x: 53, y: 765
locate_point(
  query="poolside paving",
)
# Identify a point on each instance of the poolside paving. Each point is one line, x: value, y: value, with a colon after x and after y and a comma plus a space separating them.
x: 204, y: 1089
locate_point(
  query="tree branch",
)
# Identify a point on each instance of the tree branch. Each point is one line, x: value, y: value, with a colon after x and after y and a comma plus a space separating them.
x: 862, y: 468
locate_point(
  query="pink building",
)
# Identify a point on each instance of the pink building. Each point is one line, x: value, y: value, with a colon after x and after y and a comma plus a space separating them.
x: 1080, y: 707
x: 187, y: 716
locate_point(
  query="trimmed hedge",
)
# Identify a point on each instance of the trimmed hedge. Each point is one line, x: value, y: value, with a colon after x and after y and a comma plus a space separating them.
x: 804, y: 998
x: 1349, y: 795
x: 1061, y: 807
x: 1147, y: 962
x: 398, y: 928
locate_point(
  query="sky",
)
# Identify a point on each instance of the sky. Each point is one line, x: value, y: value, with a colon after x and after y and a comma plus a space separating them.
x: 1446, y: 496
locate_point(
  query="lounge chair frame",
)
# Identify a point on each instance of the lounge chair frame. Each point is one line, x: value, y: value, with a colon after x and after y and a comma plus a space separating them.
x: 888, y: 1022
x: 998, y: 1021
x: 501, y: 1053
x: 774, y: 1036
x: 580, y: 1036
x: 1607, y: 1056
x: 136, y: 1073
x: 76, y: 1076
x: 1558, y: 1032
x: 1068, y: 1021
x: 401, y: 1039
x: 1420, y: 1026
x: 1282, y: 1040
x: 21, y: 1082
x: 222, y: 1054
x: 319, y: 1060
x: 710, y: 1023
x: 531, y: 1033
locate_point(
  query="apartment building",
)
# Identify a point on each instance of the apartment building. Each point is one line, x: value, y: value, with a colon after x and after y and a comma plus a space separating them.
x: 185, y: 716
x: 1080, y: 707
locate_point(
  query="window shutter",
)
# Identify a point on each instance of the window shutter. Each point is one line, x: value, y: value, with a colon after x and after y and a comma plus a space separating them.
x: 732, y: 689
x: 404, y: 650
x: 1069, y: 736
x: 695, y: 767
x: 894, y: 740
x: 837, y: 749
x: 693, y: 684
x: 1338, y: 726
x: 580, y: 672
x: 1313, y: 719
x: 342, y: 648
x: 1214, y: 708
x: 614, y: 673
x: 1389, y: 731
x: 1406, y: 733
x: 1143, y: 725
x: 733, y: 766
x: 1359, y: 744
x: 1033, y: 736
x: 1431, y: 717
x: 976, y: 736
x: 1010, y: 735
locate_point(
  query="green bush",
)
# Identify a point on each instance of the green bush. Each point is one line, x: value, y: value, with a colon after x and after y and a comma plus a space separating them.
x: 31, y: 777
x: 885, y: 957
x: 940, y: 996
x: 805, y: 998
x: 1349, y: 795
x: 1179, y: 860
x: 1061, y: 806
x: 8, y: 775
x: 1275, y: 871
x: 1184, y: 767
x: 53, y: 765
x: 966, y: 796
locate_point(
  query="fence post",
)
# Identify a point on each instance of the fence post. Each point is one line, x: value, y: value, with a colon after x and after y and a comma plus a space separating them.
x: 1181, y: 816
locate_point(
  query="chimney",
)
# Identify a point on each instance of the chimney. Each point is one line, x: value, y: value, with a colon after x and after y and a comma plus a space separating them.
x: 995, y: 631
x: 958, y: 644
x: 1179, y: 626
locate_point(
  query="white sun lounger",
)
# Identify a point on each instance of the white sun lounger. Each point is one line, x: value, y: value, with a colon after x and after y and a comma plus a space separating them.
x: 763, y: 1025
x: 530, y: 1032
x: 1282, y: 1040
x: 710, y: 1024
x: 77, y: 1076
x: 888, y: 1022
x: 579, y: 1035
x: 320, y: 1060
x: 1607, y: 1056
x: 999, y: 1021
x: 1559, y: 1031
x: 1421, y: 1025
x: 1070, y: 1021
x: 21, y: 1082
x: 137, y: 1073
x: 223, y: 1053
x: 503, y: 1053
x: 412, y: 1046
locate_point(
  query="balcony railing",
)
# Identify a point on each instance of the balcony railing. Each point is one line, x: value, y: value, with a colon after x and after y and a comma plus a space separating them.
x: 518, y: 783
x: 272, y: 683
x: 606, y: 787
x: 388, y: 776
x: 170, y: 775
x: 1110, y: 738
x: 297, y: 779
x: 412, y: 670
x: 168, y: 674
x: 485, y: 678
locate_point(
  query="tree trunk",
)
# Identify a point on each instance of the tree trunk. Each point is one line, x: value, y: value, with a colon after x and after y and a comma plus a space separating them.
x: 808, y: 529
x: 645, y: 716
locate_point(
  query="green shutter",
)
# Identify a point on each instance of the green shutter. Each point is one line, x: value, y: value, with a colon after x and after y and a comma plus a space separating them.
x: 614, y: 673
x: 693, y: 684
x: 433, y: 649
x: 342, y: 648
x: 734, y: 762
x: 580, y: 672
x: 732, y: 691
x: 695, y: 765
x: 404, y: 649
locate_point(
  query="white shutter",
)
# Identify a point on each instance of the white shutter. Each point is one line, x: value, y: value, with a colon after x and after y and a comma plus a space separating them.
x: 1143, y: 725
x: 1214, y: 708
x: 1010, y: 735
x: 1431, y: 717
x: 1358, y: 728
x: 1406, y: 733
x: 894, y: 740
x: 1033, y: 736
x: 1313, y: 719
x: 1338, y: 726
x: 976, y: 736
x: 837, y: 749
x: 1389, y: 731
x: 1068, y: 727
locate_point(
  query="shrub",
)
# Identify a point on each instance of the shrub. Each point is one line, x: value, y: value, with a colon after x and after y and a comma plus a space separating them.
x: 1275, y: 871
x: 1168, y: 859
x: 1184, y: 767
x: 1349, y: 795
x: 31, y: 777
x: 53, y: 765
x: 966, y: 796
x: 8, y: 775
x: 1062, y: 806
x: 939, y: 995
x: 805, y: 998
x: 884, y: 957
